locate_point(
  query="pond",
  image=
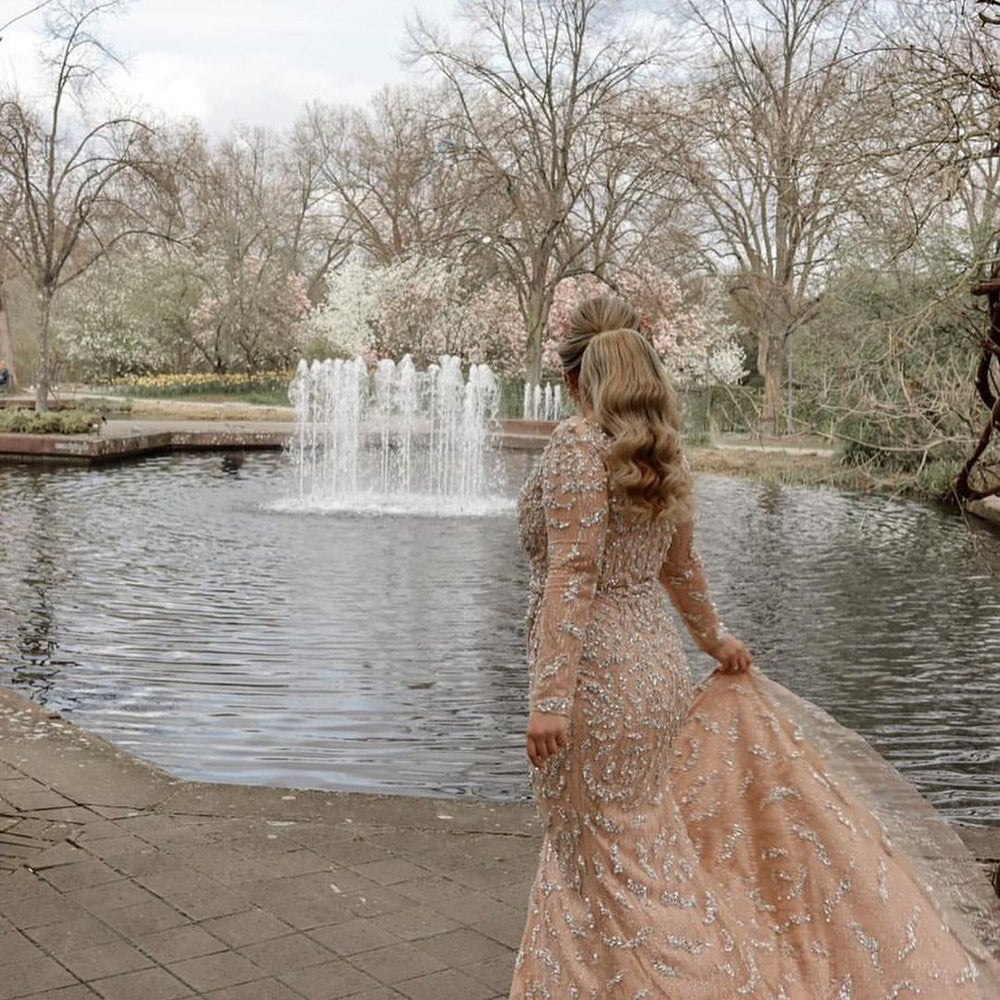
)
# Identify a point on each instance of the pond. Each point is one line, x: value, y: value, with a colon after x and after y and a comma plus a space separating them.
x: 180, y: 609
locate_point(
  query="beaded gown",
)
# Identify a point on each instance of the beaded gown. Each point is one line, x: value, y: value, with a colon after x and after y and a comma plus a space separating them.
x: 730, y: 841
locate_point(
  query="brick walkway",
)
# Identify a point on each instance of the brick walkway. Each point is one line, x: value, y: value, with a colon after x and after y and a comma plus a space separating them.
x: 119, y: 882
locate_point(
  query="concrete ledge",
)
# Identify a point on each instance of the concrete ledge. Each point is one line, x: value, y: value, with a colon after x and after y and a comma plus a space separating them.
x: 94, y: 449
x: 122, y: 440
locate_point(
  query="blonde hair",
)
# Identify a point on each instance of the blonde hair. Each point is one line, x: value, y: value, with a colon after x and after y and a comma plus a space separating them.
x: 592, y: 316
x: 631, y: 396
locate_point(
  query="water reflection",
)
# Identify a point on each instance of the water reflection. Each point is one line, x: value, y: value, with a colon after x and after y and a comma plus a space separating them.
x: 169, y: 607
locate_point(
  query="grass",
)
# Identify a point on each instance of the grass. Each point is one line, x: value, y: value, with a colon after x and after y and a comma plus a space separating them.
x: 261, y: 387
x: 775, y: 466
x: 20, y: 421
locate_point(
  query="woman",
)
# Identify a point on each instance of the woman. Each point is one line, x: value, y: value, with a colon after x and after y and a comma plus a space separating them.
x: 730, y: 842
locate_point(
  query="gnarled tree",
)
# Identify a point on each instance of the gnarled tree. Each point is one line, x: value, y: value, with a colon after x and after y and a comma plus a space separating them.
x: 73, y: 185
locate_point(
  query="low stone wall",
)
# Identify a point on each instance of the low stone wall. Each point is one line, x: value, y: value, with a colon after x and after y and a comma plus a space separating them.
x: 123, y: 440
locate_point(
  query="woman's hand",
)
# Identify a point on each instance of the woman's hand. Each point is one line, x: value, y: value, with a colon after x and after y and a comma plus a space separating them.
x: 546, y: 735
x: 733, y: 656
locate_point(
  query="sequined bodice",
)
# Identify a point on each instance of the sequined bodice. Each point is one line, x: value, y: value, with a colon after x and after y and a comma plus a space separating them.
x: 634, y: 549
x: 589, y: 550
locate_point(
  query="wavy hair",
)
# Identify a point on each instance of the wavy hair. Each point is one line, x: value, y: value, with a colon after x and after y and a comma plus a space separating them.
x: 598, y: 314
x: 631, y: 396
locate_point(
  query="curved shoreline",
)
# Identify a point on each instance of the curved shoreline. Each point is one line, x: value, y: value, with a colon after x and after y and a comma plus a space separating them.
x: 118, y: 877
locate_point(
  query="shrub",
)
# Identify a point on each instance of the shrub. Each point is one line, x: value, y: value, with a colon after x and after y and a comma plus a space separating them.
x: 19, y: 421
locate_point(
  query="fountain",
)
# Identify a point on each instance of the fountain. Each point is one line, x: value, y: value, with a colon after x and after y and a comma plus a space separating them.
x: 397, y: 439
x: 542, y: 403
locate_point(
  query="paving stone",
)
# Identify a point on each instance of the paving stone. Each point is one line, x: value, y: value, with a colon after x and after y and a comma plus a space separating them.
x: 382, y: 993
x: 143, y: 862
x: 109, y: 848
x: 453, y: 900
x: 149, y: 984
x: 51, y: 806
x: 497, y: 973
x: 262, y: 989
x: 501, y: 846
x: 353, y: 936
x: 150, y: 826
x: 144, y: 918
x: 355, y: 852
x: 464, y: 946
x: 80, y: 992
x: 212, y: 972
x: 27, y: 795
x: 390, y: 870
x: 446, y: 985
x: 321, y: 837
x: 220, y: 862
x: 207, y: 901
x: 27, y: 914
x: 177, y: 876
x: 413, y: 924
x: 101, y: 899
x: 485, y: 877
x: 516, y: 895
x: 95, y: 830
x: 24, y: 978
x: 248, y: 927
x: 307, y: 914
x: 302, y: 912
x: 329, y: 982
x: 15, y: 947
x: 85, y: 873
x: 72, y: 935
x: 396, y: 962
x: 376, y: 902
x: 408, y: 842
x: 116, y: 812
x: 507, y: 928
x: 299, y: 862
x: 178, y: 943
x: 285, y: 954
x: 63, y: 853
x: 193, y: 894
x: 262, y: 844
x: 339, y: 881
x: 101, y: 960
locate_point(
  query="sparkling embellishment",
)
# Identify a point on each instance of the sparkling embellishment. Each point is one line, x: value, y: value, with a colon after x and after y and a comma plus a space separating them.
x: 696, y: 844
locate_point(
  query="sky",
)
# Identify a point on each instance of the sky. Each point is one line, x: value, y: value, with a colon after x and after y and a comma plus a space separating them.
x: 252, y: 62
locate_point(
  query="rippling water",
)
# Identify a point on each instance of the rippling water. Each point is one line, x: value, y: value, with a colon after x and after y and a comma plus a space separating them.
x: 179, y: 608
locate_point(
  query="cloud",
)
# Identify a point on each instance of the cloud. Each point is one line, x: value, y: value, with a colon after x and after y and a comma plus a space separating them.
x: 256, y: 63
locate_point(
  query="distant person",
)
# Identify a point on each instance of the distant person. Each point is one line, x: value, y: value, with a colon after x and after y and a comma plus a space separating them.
x: 4, y: 376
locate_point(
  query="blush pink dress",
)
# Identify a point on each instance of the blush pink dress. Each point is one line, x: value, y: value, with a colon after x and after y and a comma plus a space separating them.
x: 727, y: 842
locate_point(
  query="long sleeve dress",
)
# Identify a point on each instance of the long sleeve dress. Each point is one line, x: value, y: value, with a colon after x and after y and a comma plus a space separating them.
x: 727, y: 842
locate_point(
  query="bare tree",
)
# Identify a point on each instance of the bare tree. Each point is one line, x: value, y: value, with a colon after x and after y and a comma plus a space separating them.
x: 781, y: 128
x: 70, y: 182
x: 388, y: 187
x: 317, y: 233
x: 540, y: 89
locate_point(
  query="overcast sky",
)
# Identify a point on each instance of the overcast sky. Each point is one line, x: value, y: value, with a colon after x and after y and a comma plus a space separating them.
x: 250, y: 61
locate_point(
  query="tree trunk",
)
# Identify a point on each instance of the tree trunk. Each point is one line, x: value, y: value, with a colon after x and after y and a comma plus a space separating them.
x: 771, y: 364
x: 535, y: 321
x: 42, y: 392
x: 6, y: 344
